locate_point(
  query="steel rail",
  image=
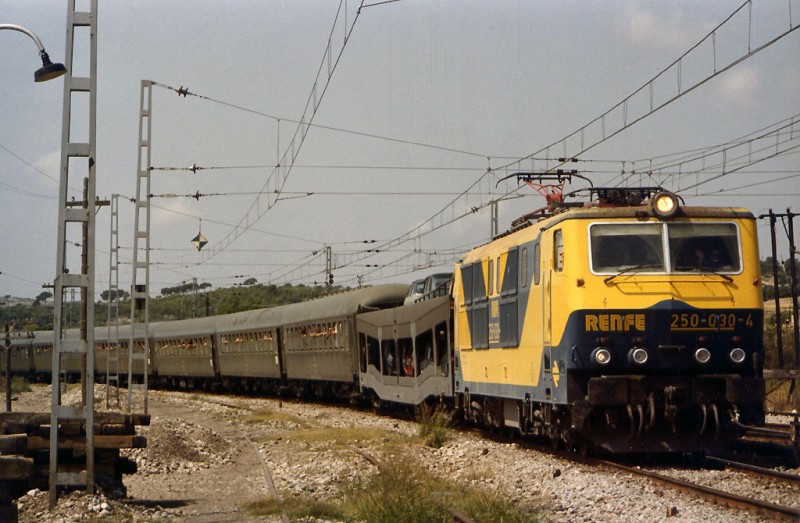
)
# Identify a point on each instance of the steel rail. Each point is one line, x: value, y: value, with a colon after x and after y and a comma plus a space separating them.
x: 717, y: 496
x: 760, y: 471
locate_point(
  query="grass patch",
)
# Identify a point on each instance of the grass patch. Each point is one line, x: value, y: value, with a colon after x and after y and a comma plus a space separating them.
x: 434, y: 425
x: 779, y: 396
x: 18, y: 385
x: 406, y: 493
x: 400, y: 494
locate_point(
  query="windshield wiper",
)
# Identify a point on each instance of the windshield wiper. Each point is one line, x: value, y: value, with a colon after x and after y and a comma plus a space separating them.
x: 633, y: 268
x: 704, y: 271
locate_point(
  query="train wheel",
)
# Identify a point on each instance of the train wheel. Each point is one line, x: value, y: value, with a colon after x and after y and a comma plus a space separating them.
x: 377, y: 405
x: 582, y: 447
x: 555, y: 438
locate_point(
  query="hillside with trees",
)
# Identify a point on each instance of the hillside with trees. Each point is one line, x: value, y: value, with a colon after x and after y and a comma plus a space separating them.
x: 174, y: 303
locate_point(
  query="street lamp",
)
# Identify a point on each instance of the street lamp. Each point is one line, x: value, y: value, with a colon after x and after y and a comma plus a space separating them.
x: 49, y: 70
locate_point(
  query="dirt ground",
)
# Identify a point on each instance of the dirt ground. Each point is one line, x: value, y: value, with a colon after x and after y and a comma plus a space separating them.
x: 201, y: 463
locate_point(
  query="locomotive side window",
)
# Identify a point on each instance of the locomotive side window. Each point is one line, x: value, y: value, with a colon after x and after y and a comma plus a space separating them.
x: 480, y: 310
x: 466, y: 283
x: 510, y: 280
x: 523, y: 270
x: 491, y: 279
x: 536, y: 259
x: 558, y: 251
x: 499, y: 275
x: 508, y: 302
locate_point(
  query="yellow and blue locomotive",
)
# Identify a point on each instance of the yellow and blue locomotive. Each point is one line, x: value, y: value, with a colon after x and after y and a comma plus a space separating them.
x: 631, y: 323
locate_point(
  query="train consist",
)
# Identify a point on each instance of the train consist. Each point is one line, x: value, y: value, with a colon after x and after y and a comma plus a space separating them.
x: 627, y: 324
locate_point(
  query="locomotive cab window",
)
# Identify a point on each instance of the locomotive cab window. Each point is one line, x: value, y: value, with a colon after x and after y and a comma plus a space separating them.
x: 619, y: 246
x: 704, y: 246
x: 639, y: 247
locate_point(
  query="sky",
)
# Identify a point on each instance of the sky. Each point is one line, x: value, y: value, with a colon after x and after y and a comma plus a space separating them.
x: 417, y: 110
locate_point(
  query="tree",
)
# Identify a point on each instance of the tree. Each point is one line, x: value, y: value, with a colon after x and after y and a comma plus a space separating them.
x: 42, y: 297
x: 114, y: 296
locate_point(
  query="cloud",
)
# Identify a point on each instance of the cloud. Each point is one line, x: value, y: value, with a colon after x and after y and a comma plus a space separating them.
x: 739, y: 84
x: 643, y: 27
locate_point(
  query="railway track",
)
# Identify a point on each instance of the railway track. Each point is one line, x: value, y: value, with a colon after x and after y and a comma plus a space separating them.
x: 792, y: 479
x: 714, y: 495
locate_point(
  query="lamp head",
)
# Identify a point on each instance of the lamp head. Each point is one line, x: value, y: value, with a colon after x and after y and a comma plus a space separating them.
x: 49, y: 70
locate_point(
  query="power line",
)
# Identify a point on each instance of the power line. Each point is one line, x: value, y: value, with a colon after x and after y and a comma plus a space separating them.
x: 599, y: 129
x: 281, y: 172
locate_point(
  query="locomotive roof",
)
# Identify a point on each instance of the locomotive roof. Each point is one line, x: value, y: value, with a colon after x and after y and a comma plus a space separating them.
x: 596, y: 212
x: 639, y: 213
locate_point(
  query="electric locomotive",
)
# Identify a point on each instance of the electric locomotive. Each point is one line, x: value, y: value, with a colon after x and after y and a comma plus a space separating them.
x: 631, y: 323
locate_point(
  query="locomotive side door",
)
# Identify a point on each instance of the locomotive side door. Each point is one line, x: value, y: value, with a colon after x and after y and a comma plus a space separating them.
x: 554, y: 263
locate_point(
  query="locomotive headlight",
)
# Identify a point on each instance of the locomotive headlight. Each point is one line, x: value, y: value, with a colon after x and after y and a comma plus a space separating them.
x: 737, y: 355
x: 702, y: 355
x: 638, y: 355
x: 601, y: 356
x: 664, y: 205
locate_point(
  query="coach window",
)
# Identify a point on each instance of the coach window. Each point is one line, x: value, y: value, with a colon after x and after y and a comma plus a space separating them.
x: 362, y: 351
x: 373, y: 353
x: 405, y: 352
x: 558, y: 251
x: 442, y: 348
x: 424, y: 347
x: 390, y: 363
